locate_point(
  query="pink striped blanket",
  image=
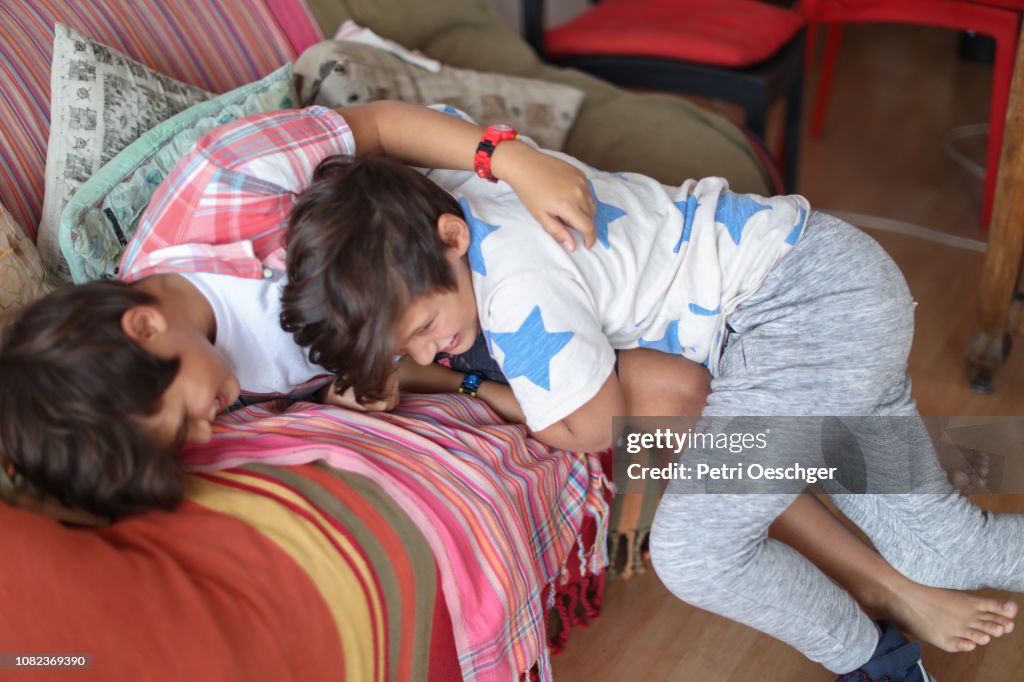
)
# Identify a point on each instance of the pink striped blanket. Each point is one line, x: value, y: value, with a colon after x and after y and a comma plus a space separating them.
x: 500, y: 511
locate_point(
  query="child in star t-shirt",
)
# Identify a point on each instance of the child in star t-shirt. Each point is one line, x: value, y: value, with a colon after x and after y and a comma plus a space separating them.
x: 794, y: 312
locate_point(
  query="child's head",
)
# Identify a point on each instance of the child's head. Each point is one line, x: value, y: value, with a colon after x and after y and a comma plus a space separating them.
x: 97, y: 396
x: 376, y: 268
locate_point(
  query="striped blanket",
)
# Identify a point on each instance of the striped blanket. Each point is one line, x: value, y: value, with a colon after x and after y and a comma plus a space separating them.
x: 499, y: 511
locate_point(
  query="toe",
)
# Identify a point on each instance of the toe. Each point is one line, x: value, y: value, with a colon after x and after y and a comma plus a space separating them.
x: 991, y: 628
x: 963, y: 645
x: 995, y: 608
x: 978, y: 636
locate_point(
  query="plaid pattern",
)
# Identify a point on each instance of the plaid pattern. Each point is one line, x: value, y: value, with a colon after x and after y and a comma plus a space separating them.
x: 224, y: 208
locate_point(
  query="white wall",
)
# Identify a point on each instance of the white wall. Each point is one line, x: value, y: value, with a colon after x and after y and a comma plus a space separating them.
x: 555, y: 11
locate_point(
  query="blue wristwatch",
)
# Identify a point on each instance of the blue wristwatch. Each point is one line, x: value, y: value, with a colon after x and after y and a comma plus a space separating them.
x: 471, y: 384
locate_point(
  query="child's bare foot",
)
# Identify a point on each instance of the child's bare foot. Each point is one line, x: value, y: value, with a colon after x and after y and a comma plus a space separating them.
x: 973, y: 477
x: 967, y: 468
x: 950, y: 620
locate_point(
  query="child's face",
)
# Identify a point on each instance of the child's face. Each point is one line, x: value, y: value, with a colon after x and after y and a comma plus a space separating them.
x: 438, y: 322
x: 204, y: 387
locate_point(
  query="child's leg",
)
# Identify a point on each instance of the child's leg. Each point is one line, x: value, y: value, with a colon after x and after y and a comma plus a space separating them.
x: 657, y: 384
x: 827, y: 334
x: 948, y: 619
x: 930, y: 535
x: 831, y: 335
x: 713, y: 551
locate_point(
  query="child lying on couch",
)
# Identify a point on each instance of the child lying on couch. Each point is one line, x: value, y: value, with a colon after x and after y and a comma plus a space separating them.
x: 144, y: 365
x: 794, y: 312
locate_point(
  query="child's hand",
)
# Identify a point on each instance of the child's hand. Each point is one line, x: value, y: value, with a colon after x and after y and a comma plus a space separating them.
x: 555, y: 193
x: 328, y: 396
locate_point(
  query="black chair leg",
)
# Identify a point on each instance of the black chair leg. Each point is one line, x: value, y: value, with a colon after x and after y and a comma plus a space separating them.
x: 757, y: 117
x: 794, y: 105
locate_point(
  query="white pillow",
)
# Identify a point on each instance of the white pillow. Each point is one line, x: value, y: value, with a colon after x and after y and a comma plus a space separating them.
x: 341, y: 73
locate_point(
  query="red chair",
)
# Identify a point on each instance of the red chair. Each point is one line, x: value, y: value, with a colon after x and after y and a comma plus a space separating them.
x: 741, y: 51
x: 999, y: 19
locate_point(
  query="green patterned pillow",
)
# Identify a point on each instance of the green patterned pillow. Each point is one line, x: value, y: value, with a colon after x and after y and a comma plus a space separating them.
x: 102, y: 216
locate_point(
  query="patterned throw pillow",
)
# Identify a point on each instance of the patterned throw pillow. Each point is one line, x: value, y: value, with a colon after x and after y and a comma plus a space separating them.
x: 340, y: 73
x: 100, y: 102
x: 102, y: 216
x: 21, y: 273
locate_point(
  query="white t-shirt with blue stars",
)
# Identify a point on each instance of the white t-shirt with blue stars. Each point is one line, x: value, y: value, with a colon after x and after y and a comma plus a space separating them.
x: 670, y: 264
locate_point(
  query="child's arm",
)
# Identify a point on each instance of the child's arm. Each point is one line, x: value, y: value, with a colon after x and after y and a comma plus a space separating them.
x: 652, y: 384
x: 555, y: 193
x: 437, y: 379
x: 589, y: 428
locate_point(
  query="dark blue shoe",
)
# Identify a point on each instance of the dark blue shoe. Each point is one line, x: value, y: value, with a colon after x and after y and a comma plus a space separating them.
x: 896, y: 659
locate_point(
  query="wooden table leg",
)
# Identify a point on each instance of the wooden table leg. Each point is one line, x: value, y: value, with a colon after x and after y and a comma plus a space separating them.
x: 991, y: 342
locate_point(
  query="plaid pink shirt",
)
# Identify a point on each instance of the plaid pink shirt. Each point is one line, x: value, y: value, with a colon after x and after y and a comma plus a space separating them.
x: 225, y: 206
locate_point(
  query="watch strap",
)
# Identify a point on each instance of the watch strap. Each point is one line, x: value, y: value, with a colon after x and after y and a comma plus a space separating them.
x: 492, y: 137
x: 471, y: 383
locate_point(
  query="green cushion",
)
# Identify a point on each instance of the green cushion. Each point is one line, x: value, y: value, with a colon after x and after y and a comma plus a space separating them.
x: 102, y: 216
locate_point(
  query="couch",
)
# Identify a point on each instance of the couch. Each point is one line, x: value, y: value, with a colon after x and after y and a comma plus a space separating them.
x: 315, y: 543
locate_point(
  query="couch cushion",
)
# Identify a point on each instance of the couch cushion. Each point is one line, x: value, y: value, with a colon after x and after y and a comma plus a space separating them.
x: 104, y: 213
x: 215, y: 46
x: 412, y: 23
x: 661, y: 136
x: 338, y: 73
x: 101, y: 101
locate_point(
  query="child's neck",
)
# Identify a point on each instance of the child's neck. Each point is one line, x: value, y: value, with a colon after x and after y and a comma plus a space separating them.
x: 181, y: 303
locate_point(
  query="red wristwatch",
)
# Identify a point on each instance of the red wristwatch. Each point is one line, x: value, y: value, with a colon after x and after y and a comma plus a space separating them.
x: 493, y: 136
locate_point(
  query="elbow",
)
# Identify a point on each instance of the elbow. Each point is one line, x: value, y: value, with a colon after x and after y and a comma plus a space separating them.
x: 563, y: 437
x: 593, y: 444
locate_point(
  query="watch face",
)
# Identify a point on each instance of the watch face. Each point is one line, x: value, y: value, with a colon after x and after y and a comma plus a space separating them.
x: 502, y: 128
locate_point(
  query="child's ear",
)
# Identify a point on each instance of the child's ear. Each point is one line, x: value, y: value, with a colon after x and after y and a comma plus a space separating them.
x: 143, y: 323
x: 454, y: 232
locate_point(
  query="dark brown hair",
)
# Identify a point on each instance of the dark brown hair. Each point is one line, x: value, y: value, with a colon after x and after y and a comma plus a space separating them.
x: 73, y: 387
x: 362, y: 243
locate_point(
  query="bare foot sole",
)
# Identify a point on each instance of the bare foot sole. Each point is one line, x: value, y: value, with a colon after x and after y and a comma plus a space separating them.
x: 950, y: 620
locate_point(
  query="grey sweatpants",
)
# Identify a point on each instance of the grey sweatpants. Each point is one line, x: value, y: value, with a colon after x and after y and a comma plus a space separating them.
x: 828, y: 333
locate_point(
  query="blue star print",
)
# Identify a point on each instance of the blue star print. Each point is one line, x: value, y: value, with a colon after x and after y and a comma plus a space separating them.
x: 688, y: 208
x: 798, y: 229
x: 734, y: 210
x: 452, y: 111
x: 478, y: 232
x: 529, y: 350
x: 669, y: 343
x: 605, y: 213
x: 706, y: 312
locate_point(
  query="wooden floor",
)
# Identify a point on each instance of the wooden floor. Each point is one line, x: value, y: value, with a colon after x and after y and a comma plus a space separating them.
x: 898, y: 90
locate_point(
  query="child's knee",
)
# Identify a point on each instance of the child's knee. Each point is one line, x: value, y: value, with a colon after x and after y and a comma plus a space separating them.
x: 657, y: 384
x: 678, y: 548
